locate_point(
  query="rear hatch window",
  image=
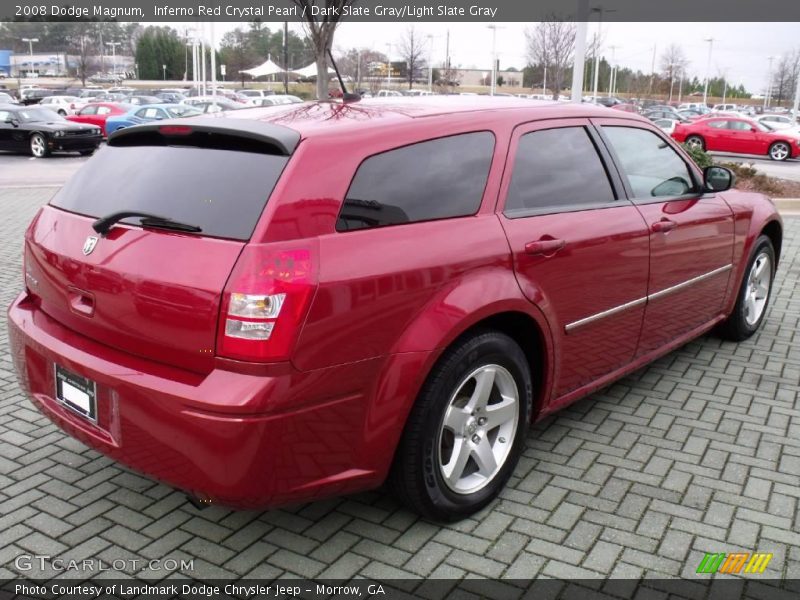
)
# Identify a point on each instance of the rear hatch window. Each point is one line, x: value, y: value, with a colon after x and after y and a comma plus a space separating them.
x: 222, y: 191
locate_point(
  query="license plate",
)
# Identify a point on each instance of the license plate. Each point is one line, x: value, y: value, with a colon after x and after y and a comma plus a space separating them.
x: 77, y: 393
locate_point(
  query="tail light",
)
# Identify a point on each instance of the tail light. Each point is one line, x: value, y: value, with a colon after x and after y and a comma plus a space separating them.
x: 266, y: 301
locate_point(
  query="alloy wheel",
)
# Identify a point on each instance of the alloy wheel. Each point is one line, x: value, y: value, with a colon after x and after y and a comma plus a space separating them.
x: 38, y: 147
x: 478, y: 429
x: 779, y: 151
x: 757, y: 291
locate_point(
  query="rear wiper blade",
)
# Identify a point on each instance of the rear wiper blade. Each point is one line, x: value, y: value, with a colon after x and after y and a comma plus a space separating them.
x: 159, y: 223
x: 103, y: 224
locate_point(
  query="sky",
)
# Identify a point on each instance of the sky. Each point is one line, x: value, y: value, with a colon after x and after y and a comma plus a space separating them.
x: 740, y: 51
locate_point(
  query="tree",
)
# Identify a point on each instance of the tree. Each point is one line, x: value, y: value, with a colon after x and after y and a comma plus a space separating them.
x: 412, y: 47
x: 159, y: 47
x: 551, y: 43
x: 673, y: 63
x: 320, y: 30
x: 784, y: 77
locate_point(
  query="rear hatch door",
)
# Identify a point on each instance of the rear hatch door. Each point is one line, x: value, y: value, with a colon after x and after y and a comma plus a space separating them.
x: 145, y: 290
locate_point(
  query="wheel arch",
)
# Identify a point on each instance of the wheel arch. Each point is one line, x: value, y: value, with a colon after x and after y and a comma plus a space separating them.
x: 387, y: 417
x: 774, y: 231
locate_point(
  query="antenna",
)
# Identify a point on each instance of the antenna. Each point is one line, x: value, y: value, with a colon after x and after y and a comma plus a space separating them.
x: 346, y: 96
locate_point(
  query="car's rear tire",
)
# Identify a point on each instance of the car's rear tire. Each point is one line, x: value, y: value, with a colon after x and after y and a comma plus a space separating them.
x: 779, y: 151
x: 467, y: 428
x: 62, y: 112
x: 695, y: 142
x: 754, y: 293
x: 38, y: 146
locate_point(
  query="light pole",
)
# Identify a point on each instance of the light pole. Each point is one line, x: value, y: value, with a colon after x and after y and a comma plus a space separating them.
x: 30, y: 48
x: 114, y: 55
x: 164, y: 71
x: 708, y: 69
x: 769, y: 83
x: 599, y: 10
x: 576, y: 92
x: 611, y: 70
x: 388, y: 65
x: 494, y: 59
x: 430, y: 62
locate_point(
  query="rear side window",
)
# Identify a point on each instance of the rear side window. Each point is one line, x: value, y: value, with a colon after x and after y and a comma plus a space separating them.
x: 436, y: 179
x: 222, y: 191
x: 556, y: 169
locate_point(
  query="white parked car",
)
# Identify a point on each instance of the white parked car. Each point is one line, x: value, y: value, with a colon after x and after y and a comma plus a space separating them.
x: 63, y: 105
x: 276, y: 100
x: 779, y: 122
x: 725, y: 108
x: 666, y: 125
x: 387, y: 94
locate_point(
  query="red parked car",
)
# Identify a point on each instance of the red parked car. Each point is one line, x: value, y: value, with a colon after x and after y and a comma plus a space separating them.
x: 96, y: 113
x: 738, y: 134
x: 303, y: 302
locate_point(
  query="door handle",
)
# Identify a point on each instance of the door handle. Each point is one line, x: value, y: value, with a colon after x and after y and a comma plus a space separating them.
x: 544, y: 247
x: 663, y: 226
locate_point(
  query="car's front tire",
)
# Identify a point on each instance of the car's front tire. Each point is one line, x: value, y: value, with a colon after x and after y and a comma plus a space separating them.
x: 753, y: 295
x: 779, y: 151
x: 467, y: 428
x: 38, y: 146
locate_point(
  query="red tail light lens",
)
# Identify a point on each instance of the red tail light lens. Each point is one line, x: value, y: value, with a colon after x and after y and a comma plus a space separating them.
x: 266, y: 301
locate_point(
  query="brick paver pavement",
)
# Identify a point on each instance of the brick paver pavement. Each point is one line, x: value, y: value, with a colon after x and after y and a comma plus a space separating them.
x: 699, y: 452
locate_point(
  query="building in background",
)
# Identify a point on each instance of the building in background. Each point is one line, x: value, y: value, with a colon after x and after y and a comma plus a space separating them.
x: 5, y: 62
x: 59, y: 64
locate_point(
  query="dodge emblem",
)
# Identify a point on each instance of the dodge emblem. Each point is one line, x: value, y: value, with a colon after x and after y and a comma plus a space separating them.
x: 89, y: 244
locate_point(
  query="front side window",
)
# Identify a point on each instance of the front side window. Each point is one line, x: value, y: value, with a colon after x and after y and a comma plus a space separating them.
x: 557, y: 169
x: 653, y: 168
x: 89, y: 110
x: 103, y: 110
x: 435, y: 179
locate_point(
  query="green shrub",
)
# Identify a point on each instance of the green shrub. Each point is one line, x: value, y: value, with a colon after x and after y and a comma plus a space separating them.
x: 699, y: 156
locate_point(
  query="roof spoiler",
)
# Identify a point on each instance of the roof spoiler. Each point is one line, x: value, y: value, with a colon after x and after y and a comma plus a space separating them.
x: 195, y: 130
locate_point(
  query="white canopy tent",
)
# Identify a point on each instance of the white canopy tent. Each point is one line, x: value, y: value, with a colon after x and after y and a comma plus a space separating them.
x: 311, y: 71
x: 267, y: 68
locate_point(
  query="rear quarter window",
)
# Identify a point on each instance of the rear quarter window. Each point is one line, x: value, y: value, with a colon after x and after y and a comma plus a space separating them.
x: 434, y: 179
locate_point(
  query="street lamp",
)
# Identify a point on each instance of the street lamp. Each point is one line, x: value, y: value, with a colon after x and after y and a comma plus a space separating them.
x: 769, y: 83
x: 164, y: 71
x: 388, y: 65
x: 494, y: 59
x: 114, y: 55
x: 30, y: 48
x: 430, y: 63
x: 708, y: 69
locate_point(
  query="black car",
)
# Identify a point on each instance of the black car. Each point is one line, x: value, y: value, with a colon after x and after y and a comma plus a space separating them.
x: 35, y: 96
x: 40, y: 131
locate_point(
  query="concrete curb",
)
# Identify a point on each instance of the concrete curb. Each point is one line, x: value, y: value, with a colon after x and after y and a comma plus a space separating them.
x: 788, y: 207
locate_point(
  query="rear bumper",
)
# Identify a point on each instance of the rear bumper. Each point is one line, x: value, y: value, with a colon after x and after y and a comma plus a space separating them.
x: 247, y: 441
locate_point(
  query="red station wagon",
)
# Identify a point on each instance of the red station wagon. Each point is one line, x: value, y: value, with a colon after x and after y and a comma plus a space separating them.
x: 291, y: 303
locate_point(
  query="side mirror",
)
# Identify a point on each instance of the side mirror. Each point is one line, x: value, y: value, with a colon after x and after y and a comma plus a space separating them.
x: 717, y: 179
x: 12, y: 121
x: 753, y: 129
